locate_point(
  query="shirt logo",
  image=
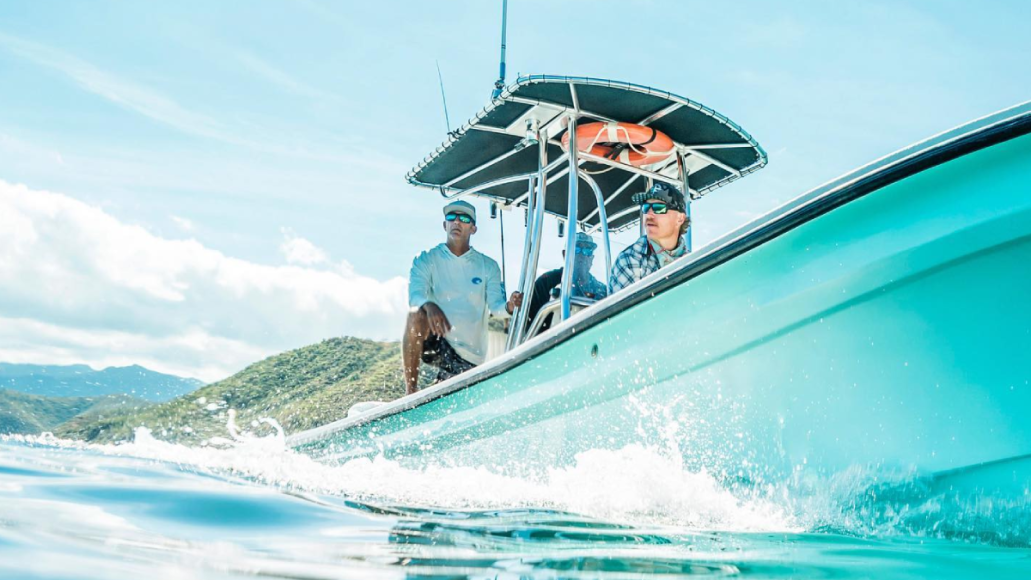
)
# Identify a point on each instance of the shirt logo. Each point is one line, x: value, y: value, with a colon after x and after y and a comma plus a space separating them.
x: 477, y: 280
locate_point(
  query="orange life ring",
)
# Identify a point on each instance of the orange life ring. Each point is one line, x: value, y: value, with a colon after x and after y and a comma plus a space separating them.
x: 628, y: 143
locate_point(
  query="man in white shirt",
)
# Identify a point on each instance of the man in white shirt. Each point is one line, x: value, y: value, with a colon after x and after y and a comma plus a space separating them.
x: 452, y: 291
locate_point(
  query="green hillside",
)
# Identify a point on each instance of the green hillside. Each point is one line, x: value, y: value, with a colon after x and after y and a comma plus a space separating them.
x: 301, y: 388
x: 34, y: 414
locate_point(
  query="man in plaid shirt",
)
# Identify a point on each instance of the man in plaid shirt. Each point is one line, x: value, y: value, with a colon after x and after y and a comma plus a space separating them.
x: 664, y: 212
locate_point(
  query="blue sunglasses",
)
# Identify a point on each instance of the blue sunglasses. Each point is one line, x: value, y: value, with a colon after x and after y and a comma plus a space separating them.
x: 659, y: 207
x: 460, y: 217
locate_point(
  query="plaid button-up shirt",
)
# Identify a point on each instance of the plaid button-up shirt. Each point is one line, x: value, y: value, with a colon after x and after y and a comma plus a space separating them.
x: 637, y: 261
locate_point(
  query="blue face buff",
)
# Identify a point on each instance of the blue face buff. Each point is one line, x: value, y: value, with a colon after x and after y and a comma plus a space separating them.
x: 458, y: 216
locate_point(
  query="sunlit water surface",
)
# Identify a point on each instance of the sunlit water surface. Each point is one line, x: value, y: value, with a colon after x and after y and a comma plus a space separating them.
x: 155, y: 510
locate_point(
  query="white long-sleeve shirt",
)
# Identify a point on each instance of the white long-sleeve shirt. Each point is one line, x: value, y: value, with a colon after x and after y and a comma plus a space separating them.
x: 467, y: 288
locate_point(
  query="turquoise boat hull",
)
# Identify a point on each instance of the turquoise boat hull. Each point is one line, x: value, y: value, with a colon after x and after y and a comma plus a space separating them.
x: 883, y: 321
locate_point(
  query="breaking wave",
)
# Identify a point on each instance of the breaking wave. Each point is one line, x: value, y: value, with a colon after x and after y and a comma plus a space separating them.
x: 634, y: 485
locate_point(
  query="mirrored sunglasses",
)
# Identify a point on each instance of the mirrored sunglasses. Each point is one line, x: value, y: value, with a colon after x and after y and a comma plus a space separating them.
x: 460, y: 217
x: 659, y: 207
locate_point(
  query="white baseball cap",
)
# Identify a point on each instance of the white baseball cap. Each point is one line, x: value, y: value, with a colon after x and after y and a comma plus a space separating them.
x: 461, y: 207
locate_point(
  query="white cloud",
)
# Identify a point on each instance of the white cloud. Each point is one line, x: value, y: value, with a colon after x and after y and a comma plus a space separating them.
x: 185, y: 224
x: 281, y: 78
x: 126, y: 92
x: 14, y: 148
x: 185, y: 354
x: 123, y: 92
x: 298, y: 250
x: 78, y: 285
x: 132, y: 95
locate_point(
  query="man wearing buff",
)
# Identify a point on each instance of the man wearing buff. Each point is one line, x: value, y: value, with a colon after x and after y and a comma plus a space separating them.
x: 664, y: 212
x: 452, y: 291
x: 584, y: 284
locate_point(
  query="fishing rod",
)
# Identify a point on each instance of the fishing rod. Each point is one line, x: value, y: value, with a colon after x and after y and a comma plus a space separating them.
x: 447, y: 120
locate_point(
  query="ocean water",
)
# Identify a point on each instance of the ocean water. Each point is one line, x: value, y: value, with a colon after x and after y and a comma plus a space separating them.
x: 248, y: 508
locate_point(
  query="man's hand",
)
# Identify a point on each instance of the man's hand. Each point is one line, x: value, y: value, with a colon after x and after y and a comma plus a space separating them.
x: 438, y: 322
x: 514, y: 302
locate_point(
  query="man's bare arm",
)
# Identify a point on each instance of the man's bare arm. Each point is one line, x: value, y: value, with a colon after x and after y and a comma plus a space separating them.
x: 438, y: 322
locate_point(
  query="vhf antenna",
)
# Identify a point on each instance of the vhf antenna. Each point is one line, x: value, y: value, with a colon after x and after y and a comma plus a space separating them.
x: 500, y: 83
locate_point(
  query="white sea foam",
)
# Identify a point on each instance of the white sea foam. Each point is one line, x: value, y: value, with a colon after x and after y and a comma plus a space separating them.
x: 631, y: 485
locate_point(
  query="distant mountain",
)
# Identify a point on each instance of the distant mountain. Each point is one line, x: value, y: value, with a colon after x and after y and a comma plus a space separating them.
x: 34, y: 414
x: 82, y: 381
x: 300, y: 388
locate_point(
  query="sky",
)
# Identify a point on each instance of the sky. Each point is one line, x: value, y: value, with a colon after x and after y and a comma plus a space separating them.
x: 194, y: 186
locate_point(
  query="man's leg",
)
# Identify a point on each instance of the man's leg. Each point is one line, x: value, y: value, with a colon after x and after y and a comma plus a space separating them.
x: 416, y: 330
x: 447, y: 361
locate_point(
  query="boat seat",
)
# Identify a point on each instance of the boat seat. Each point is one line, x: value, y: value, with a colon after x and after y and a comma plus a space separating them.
x: 576, y: 304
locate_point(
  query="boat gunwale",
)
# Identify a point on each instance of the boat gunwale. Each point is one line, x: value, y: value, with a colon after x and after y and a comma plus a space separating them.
x: 970, y: 137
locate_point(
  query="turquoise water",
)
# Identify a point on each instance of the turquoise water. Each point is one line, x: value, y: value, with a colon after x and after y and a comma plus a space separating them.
x: 253, y: 509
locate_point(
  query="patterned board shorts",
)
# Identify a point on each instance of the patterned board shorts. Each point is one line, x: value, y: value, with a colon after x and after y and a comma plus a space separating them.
x: 438, y: 352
